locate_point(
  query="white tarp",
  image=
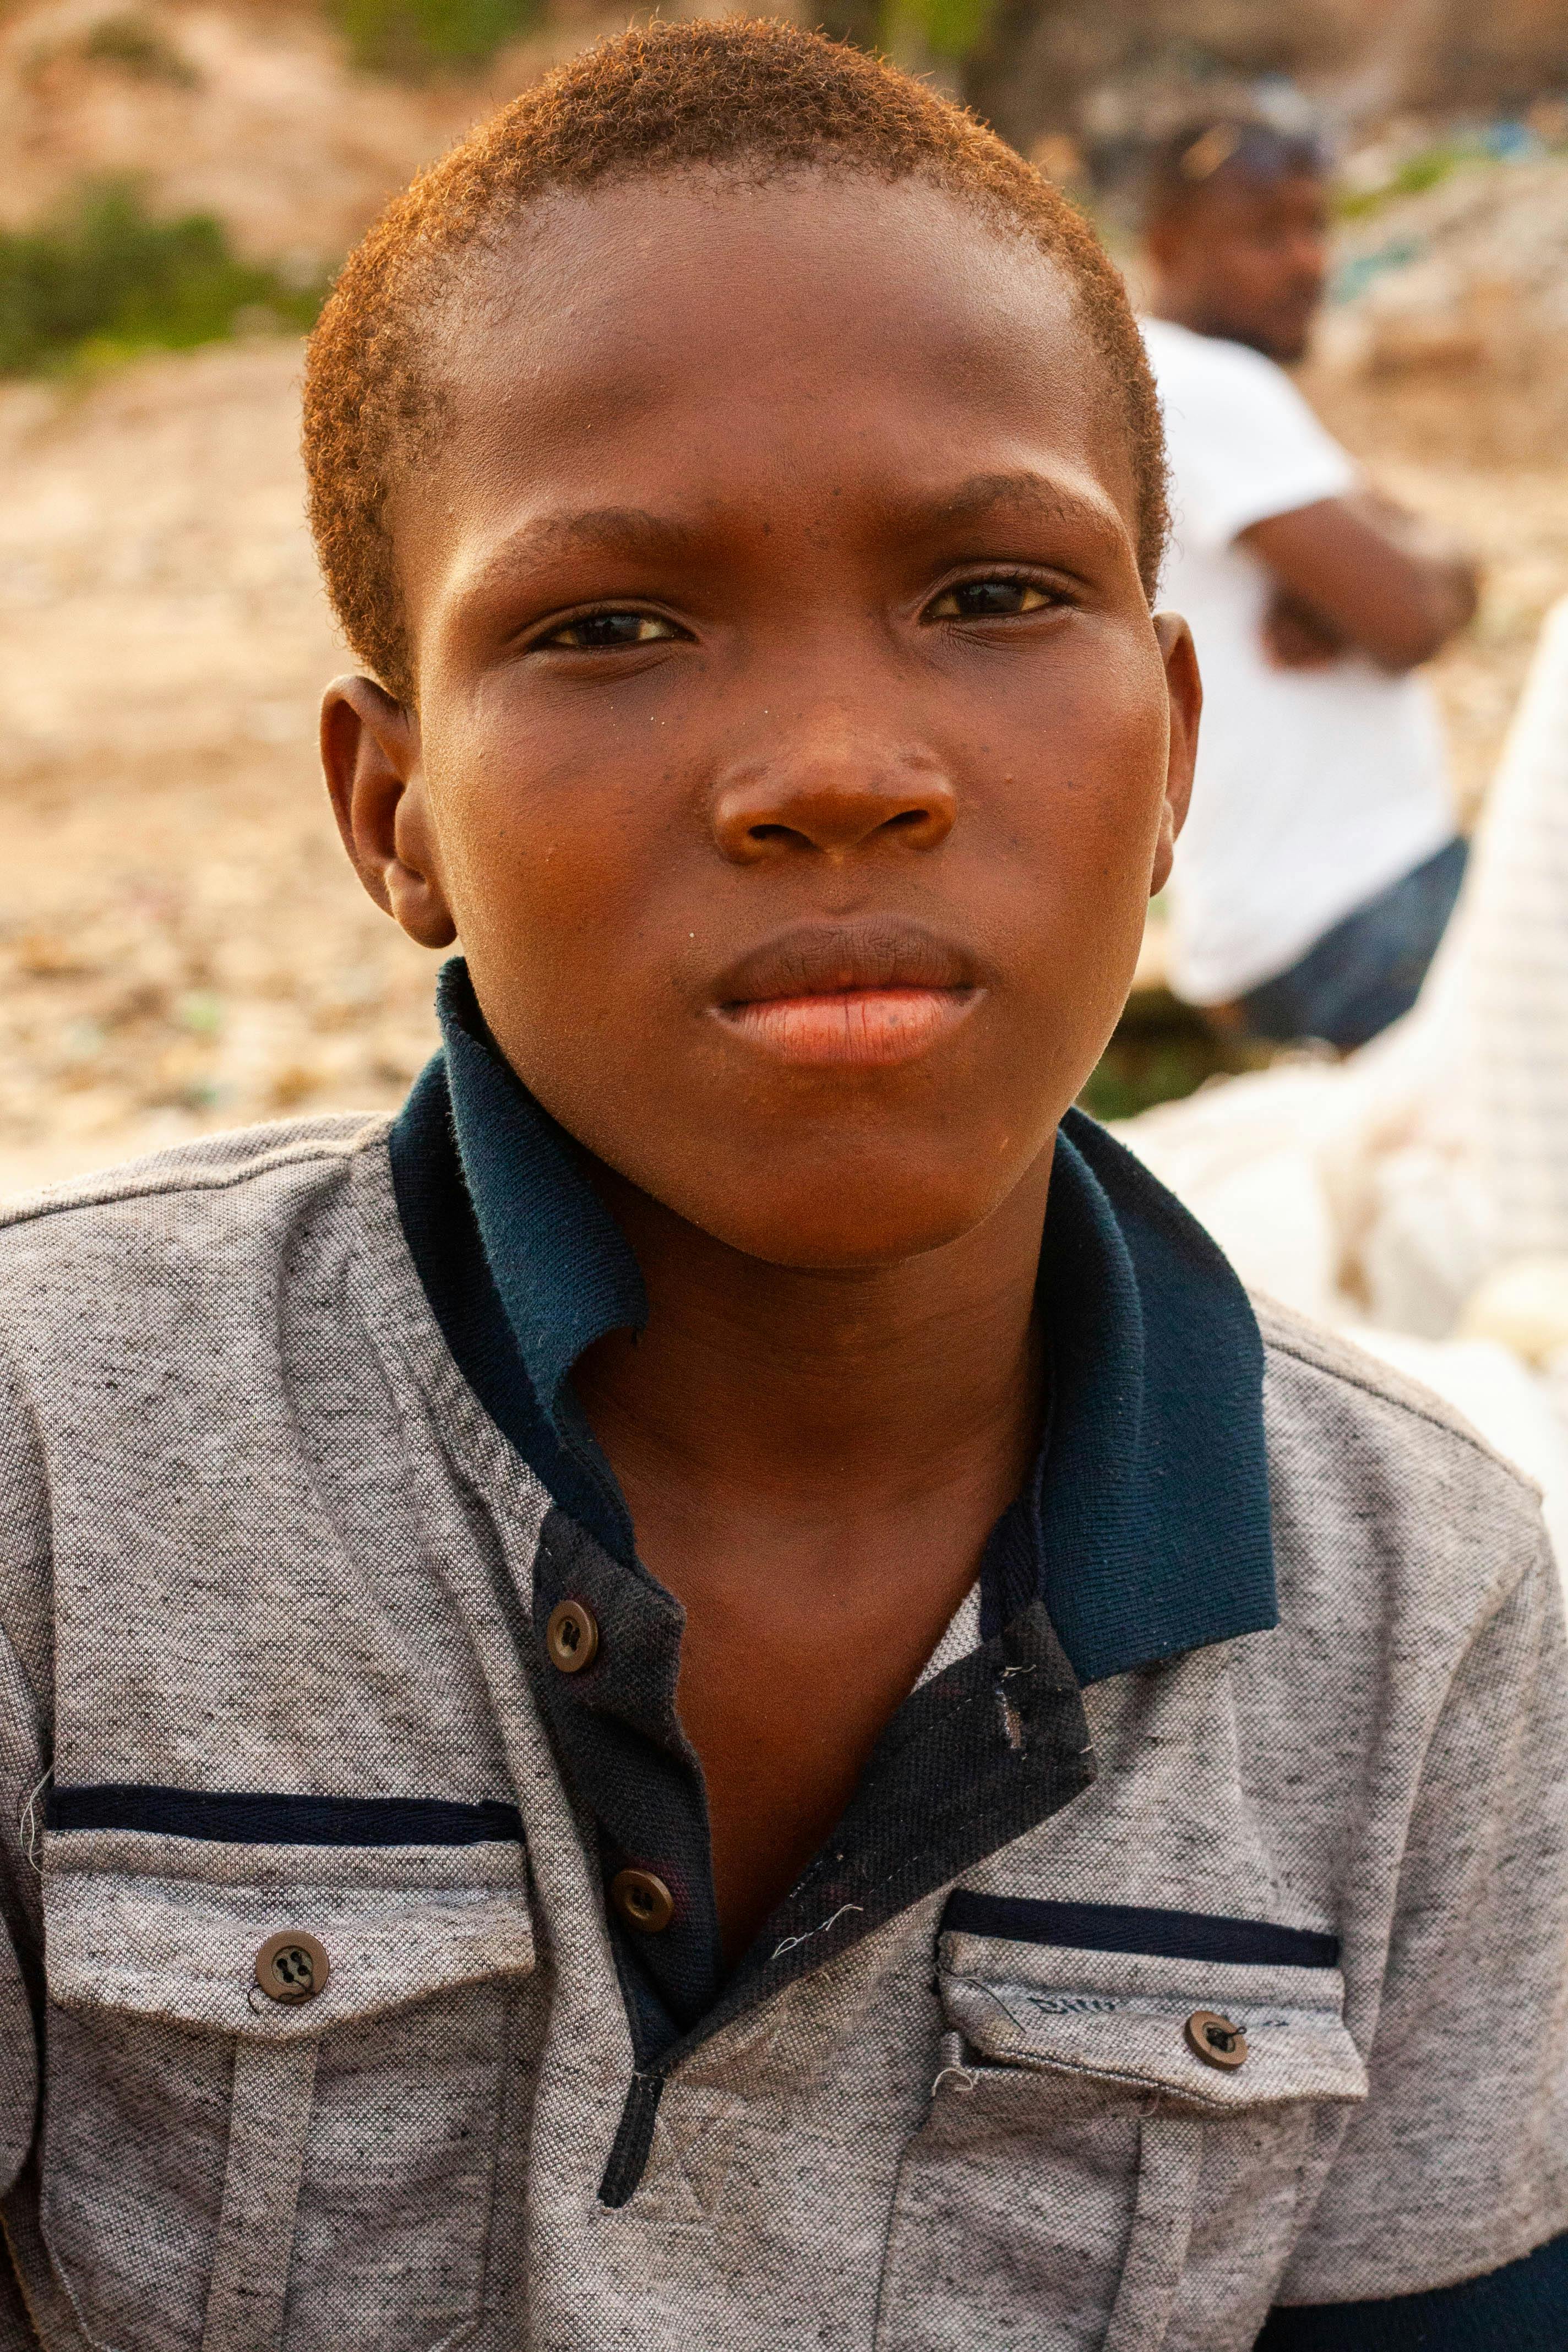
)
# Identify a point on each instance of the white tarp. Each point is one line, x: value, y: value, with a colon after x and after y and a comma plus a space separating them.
x: 1420, y: 1187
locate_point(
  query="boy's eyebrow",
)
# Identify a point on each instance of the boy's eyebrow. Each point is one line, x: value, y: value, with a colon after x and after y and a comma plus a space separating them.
x: 612, y: 528
x: 981, y: 494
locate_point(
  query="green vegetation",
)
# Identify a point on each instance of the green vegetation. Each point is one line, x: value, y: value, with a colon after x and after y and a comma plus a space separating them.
x: 948, y: 28
x: 1500, y: 143
x: 106, y: 280
x: 1412, y: 178
x: 421, y: 36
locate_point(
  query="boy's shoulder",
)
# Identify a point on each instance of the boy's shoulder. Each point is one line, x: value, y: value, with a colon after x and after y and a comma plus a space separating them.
x: 174, y: 1255
x: 1323, y: 1364
x: 142, y: 1308
x: 1375, y: 1476
x: 240, y: 1171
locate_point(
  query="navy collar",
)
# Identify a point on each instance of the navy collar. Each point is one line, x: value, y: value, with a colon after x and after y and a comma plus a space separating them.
x: 1144, y: 1527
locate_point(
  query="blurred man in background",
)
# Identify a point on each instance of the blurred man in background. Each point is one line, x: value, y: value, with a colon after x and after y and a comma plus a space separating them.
x: 1319, y: 863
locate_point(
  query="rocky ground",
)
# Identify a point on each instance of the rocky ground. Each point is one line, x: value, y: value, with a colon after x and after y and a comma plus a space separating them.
x: 247, y: 109
x: 182, y: 945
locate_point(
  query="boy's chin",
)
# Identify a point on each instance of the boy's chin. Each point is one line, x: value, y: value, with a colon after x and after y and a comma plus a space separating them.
x: 841, y: 1221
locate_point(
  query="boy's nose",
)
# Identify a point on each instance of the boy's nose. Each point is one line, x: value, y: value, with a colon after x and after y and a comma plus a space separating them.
x: 834, y: 797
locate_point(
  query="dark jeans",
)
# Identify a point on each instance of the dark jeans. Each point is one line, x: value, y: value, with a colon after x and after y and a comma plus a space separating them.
x: 1367, y: 970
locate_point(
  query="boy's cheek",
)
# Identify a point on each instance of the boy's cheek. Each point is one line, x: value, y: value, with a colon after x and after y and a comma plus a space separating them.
x: 535, y: 851
x: 582, y: 872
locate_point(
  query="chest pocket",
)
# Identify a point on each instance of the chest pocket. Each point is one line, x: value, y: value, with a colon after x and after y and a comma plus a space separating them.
x: 226, y: 2171
x: 1117, y: 2140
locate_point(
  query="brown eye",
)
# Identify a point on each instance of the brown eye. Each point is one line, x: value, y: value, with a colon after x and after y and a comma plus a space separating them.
x: 604, y: 632
x: 988, y: 600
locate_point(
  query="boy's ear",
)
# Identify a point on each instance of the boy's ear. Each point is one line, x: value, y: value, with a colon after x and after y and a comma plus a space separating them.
x: 1184, y: 689
x: 371, y: 753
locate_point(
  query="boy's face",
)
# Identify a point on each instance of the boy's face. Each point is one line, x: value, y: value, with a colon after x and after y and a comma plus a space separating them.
x: 795, y: 752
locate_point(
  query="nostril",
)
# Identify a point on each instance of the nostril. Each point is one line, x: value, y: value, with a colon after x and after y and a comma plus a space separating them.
x: 833, y: 807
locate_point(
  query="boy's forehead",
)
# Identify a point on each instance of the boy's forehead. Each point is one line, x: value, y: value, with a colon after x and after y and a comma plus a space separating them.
x: 704, y: 326
x: 640, y: 243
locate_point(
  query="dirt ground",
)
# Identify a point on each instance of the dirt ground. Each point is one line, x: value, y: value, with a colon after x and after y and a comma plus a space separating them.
x: 182, y: 946
x: 247, y: 109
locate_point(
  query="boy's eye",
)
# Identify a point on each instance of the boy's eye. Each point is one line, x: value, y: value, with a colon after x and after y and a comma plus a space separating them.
x: 988, y: 600
x: 596, y: 632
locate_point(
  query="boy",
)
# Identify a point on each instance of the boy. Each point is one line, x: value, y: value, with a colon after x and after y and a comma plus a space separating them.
x: 1322, y: 867
x: 665, y: 1729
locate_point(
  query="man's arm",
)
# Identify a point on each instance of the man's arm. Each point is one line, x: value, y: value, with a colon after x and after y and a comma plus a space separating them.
x: 1372, y: 579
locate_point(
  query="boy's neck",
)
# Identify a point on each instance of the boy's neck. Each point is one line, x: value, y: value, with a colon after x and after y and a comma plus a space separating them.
x: 775, y: 1389
x: 813, y: 1462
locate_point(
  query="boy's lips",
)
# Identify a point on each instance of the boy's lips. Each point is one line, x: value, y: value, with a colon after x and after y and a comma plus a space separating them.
x: 859, y: 994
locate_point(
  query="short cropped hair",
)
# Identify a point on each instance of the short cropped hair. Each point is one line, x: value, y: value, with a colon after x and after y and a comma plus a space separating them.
x: 762, y: 99
x: 1219, y: 150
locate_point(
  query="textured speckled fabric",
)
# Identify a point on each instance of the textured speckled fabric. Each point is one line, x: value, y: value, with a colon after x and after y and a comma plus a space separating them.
x: 260, y: 1536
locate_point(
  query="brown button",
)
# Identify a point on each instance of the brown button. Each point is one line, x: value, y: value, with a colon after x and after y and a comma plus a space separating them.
x: 292, y: 1967
x: 571, y: 1637
x: 1216, y: 2039
x: 642, y: 1900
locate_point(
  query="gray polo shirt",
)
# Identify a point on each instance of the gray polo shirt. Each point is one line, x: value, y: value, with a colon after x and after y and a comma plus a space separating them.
x: 1189, y: 1964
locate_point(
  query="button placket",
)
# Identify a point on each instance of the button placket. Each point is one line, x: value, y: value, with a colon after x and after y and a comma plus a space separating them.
x: 648, y: 1806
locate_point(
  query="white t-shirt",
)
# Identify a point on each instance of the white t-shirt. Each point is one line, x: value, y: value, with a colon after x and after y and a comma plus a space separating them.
x: 1315, y: 789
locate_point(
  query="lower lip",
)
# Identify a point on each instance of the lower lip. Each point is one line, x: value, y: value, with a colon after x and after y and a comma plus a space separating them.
x: 870, y: 1028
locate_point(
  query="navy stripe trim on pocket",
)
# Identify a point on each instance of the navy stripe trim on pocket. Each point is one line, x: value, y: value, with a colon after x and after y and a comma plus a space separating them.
x: 1120, y: 1927
x: 257, y: 1818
